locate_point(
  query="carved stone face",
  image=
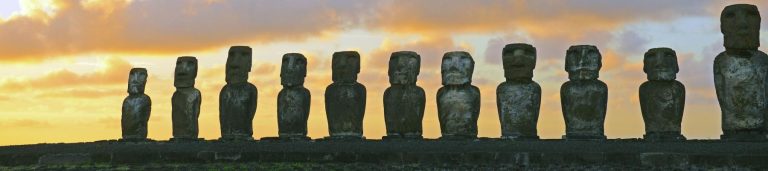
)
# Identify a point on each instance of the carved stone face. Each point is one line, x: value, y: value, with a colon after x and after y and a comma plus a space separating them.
x: 457, y: 68
x: 404, y: 67
x: 583, y: 62
x: 293, y: 70
x: 345, y: 66
x: 238, y: 64
x: 186, y: 71
x: 740, y: 25
x: 137, y: 80
x: 660, y: 64
x: 519, y: 61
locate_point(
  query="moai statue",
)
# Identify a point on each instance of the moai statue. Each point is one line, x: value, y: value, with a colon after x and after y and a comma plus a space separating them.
x: 518, y: 99
x: 458, y: 101
x: 584, y: 98
x: 136, y: 107
x: 404, y: 100
x: 662, y: 98
x: 740, y: 75
x: 345, y: 97
x: 185, y: 102
x: 293, y: 100
x: 237, y: 100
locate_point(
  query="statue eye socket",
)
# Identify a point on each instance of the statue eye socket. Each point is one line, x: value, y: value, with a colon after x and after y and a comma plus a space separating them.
x: 753, y: 13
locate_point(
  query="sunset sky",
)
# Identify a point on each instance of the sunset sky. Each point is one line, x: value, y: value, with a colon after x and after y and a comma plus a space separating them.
x: 65, y: 63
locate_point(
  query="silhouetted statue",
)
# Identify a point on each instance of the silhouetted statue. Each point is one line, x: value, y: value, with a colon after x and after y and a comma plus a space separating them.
x: 293, y: 100
x: 518, y: 99
x: 237, y: 100
x: 584, y: 98
x: 740, y: 75
x: 345, y: 97
x: 185, y: 102
x: 136, y: 107
x: 662, y: 98
x: 458, y: 101
x: 404, y: 100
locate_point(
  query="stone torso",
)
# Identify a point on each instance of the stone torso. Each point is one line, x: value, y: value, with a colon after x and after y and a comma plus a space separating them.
x: 518, y: 106
x: 237, y: 106
x: 662, y: 104
x: 293, y: 111
x: 136, y: 111
x: 741, y: 88
x: 404, y: 110
x: 185, y: 111
x: 458, y: 109
x: 584, y: 105
x: 345, y: 108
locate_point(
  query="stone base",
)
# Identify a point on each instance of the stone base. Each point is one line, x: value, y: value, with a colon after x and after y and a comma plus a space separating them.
x: 520, y: 137
x: 664, y: 136
x: 402, y: 137
x: 458, y: 138
x: 584, y: 137
x: 288, y: 138
x: 236, y: 138
x: 186, y: 139
x: 743, y: 136
x: 343, y: 138
x: 135, y: 140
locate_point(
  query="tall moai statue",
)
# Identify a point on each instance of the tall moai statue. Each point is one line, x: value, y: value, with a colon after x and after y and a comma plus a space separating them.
x: 518, y: 99
x: 293, y: 100
x: 237, y: 100
x: 458, y: 101
x: 662, y: 98
x: 186, y: 100
x: 740, y: 75
x: 136, y: 107
x: 584, y: 98
x: 404, y: 101
x: 345, y: 97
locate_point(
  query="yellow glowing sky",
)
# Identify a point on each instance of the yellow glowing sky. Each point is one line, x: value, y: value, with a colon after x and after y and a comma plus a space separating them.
x: 65, y: 63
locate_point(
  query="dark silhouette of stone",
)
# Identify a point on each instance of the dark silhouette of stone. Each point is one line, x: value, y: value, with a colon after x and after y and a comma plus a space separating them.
x: 186, y: 100
x: 136, y: 107
x: 458, y: 101
x: 584, y: 98
x: 740, y: 75
x: 662, y: 98
x: 293, y: 100
x: 237, y: 100
x: 345, y: 97
x: 518, y: 99
x: 404, y: 101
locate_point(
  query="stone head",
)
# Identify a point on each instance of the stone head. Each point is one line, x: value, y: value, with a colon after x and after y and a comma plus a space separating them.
x: 457, y: 68
x: 238, y: 64
x: 519, y: 60
x: 186, y: 71
x: 583, y: 62
x: 660, y: 64
x: 345, y: 66
x: 404, y: 67
x: 293, y: 69
x: 137, y: 80
x: 740, y: 25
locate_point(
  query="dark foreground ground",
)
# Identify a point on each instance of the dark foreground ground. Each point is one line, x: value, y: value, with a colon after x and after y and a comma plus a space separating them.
x: 486, y: 154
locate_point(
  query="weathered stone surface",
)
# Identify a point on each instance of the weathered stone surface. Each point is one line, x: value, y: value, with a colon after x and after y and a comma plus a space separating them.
x: 293, y: 101
x: 662, y: 98
x: 136, y: 107
x: 584, y: 98
x: 740, y: 75
x: 186, y: 100
x: 237, y: 100
x: 518, y: 99
x: 345, y: 97
x: 458, y: 101
x: 404, y: 101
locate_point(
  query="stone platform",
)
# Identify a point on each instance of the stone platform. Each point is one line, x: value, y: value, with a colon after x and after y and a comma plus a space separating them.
x: 483, y: 153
